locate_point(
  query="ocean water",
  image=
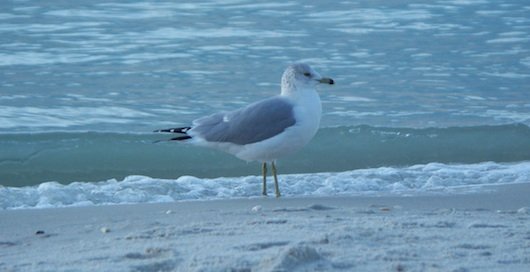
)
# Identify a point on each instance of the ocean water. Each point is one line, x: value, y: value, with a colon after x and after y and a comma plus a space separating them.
x: 421, y: 85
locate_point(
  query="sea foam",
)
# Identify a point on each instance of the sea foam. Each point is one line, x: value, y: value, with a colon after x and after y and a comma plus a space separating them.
x: 418, y: 179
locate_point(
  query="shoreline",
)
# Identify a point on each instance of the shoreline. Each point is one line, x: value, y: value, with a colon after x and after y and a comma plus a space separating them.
x: 486, y: 231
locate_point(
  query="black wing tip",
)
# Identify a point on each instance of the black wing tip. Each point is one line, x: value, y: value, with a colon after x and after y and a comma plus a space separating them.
x: 181, y: 130
x: 174, y: 130
x: 180, y: 138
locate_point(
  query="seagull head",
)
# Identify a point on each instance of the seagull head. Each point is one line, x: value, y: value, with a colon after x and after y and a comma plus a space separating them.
x: 300, y: 76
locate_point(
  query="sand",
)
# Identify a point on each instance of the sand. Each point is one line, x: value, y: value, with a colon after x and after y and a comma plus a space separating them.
x: 487, y: 231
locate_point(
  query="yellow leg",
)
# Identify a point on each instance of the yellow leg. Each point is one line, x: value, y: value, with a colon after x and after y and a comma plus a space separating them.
x: 264, y: 172
x: 276, y: 187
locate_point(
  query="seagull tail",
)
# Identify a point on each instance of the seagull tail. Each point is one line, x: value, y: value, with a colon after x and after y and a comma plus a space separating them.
x: 181, y: 130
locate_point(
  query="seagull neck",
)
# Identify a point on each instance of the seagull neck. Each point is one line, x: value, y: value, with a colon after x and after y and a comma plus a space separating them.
x: 294, y: 92
x: 288, y: 87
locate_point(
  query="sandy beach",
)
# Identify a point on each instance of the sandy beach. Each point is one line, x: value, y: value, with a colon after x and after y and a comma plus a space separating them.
x: 488, y: 231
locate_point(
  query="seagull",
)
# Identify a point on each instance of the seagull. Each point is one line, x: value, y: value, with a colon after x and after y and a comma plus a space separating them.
x: 265, y: 130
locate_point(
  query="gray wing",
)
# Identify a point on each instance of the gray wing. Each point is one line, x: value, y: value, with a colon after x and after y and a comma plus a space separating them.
x: 253, y: 123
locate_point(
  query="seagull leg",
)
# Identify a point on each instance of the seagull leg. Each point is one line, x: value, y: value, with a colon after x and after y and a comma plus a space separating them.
x: 264, y: 172
x: 276, y: 187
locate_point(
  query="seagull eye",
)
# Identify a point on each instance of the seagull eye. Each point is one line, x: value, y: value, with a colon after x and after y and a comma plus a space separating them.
x: 307, y: 74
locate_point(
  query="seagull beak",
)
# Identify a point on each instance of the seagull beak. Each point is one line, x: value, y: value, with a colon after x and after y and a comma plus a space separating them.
x: 326, y: 80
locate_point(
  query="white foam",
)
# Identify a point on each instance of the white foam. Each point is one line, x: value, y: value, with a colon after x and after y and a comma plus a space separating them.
x: 355, y: 99
x: 509, y: 40
x: 417, y: 179
x: 369, y: 16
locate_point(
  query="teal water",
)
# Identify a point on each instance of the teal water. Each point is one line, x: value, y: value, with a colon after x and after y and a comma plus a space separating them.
x: 140, y: 65
x: 83, y: 83
x: 28, y: 159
